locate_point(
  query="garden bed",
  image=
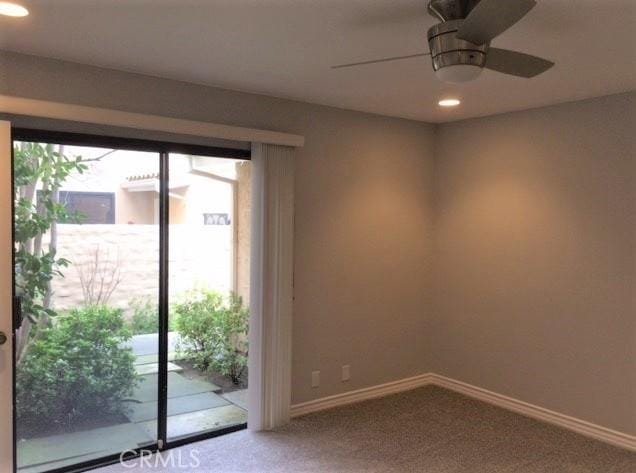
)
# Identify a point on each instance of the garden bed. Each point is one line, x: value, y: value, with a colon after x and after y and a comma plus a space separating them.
x: 222, y: 381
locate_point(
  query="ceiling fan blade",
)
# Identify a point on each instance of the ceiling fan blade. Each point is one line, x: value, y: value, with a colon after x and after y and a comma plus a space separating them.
x: 490, y: 18
x: 516, y: 64
x: 375, y: 61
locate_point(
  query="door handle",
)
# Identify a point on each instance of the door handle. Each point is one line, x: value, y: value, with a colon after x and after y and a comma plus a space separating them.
x: 17, y: 313
x: 3, y: 338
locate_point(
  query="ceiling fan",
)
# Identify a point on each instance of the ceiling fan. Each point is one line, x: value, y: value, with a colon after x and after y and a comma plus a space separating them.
x: 460, y: 44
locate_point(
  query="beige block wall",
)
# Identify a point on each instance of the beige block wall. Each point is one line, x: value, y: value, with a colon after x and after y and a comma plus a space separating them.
x: 131, y: 250
x: 536, y: 257
x: 200, y: 256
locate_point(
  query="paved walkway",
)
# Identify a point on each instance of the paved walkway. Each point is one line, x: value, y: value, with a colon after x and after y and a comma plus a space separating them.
x: 194, y: 406
x: 149, y: 344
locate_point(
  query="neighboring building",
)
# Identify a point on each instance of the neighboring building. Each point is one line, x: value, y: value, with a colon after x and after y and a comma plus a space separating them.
x: 118, y: 237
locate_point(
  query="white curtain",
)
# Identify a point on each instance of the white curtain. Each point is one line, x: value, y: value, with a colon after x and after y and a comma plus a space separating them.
x: 271, y: 283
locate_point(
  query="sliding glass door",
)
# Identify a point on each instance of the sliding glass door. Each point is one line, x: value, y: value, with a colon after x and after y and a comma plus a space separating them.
x: 131, y: 269
x: 87, y: 274
x: 209, y: 205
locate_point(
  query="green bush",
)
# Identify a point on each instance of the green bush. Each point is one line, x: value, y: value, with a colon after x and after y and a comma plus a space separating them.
x: 145, y: 317
x: 76, y: 369
x: 213, y: 332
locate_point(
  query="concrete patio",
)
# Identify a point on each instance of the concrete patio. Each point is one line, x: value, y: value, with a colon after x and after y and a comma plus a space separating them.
x: 194, y: 406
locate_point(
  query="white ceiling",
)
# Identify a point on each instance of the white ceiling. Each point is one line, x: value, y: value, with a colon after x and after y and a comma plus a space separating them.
x: 285, y: 48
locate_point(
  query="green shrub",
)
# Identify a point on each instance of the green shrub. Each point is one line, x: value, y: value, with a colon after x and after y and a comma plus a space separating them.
x: 145, y: 317
x: 213, y: 332
x: 76, y: 369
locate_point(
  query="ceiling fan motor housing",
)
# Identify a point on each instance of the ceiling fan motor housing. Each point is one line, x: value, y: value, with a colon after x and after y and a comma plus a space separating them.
x: 448, y: 50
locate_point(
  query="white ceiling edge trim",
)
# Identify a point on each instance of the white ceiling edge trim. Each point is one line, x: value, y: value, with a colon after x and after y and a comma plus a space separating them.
x: 104, y: 116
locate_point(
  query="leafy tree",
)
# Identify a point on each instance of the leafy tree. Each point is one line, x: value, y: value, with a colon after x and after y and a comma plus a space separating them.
x: 39, y: 172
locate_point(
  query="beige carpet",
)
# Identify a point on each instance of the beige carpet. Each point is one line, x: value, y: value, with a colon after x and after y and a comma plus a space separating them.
x: 424, y: 430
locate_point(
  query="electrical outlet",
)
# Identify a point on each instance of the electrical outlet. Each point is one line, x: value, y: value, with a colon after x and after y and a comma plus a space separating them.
x: 315, y: 379
x: 346, y: 372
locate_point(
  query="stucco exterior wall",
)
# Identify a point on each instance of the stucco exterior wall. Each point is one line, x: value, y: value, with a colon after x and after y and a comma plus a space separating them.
x: 244, y: 200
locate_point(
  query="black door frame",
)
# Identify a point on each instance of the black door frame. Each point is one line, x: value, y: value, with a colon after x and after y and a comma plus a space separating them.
x: 163, y: 149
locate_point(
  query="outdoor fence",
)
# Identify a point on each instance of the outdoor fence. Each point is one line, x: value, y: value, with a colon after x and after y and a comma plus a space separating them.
x: 120, y: 263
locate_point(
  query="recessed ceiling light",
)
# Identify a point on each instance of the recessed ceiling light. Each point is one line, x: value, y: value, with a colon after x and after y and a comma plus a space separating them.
x: 12, y: 9
x: 449, y: 102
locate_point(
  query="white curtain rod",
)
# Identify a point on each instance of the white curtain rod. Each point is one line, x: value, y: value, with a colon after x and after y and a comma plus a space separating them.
x: 140, y: 121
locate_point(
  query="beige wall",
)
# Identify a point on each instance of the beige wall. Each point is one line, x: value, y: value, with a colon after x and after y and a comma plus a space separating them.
x: 135, y: 207
x: 363, y: 214
x: 536, y: 257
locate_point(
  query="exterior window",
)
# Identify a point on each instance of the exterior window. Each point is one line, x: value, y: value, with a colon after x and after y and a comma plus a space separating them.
x: 94, y: 207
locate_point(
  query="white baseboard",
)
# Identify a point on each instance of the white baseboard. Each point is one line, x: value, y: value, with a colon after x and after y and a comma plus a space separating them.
x: 582, y: 427
x: 360, y: 395
x: 579, y: 426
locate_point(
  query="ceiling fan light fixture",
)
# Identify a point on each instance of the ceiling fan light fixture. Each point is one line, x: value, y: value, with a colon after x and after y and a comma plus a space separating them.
x: 12, y: 9
x: 455, y: 60
x: 458, y: 73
